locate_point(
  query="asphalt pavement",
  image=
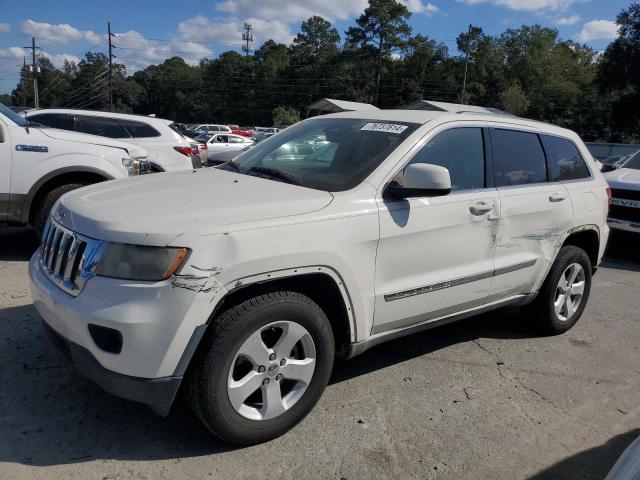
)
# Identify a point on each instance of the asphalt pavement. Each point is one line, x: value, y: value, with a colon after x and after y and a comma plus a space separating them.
x: 483, y: 398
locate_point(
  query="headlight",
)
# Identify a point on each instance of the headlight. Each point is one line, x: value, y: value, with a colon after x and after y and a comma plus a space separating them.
x: 136, y: 166
x: 137, y: 262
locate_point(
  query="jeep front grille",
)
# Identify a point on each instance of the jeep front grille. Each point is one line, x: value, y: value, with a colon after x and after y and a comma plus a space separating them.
x: 67, y: 258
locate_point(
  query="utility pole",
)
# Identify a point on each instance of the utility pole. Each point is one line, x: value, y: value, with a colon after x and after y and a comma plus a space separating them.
x: 109, y: 36
x: 34, y: 67
x: 466, y: 65
x: 24, y: 82
x: 247, y: 38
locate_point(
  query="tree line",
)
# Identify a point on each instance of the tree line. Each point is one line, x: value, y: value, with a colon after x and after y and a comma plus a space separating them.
x: 528, y: 71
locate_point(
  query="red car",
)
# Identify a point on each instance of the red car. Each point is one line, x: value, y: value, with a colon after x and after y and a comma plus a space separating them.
x: 245, y: 132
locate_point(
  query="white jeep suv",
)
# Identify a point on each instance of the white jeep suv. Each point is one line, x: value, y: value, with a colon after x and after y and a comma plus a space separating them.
x: 244, y: 281
x: 39, y: 164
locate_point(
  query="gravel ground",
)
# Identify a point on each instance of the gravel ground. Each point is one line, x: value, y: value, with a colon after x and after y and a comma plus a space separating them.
x: 484, y: 398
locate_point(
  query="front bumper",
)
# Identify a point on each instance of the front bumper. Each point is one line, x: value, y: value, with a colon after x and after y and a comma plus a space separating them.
x: 156, y: 320
x: 158, y: 393
x: 625, y: 225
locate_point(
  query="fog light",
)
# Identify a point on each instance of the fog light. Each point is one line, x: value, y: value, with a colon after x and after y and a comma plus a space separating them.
x: 107, y: 339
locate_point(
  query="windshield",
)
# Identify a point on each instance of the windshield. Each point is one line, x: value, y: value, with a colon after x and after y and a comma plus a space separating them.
x: 13, y: 116
x: 633, y: 162
x: 331, y: 154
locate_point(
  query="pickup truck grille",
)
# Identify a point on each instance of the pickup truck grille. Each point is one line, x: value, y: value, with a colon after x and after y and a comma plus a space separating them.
x: 625, y: 194
x: 68, y: 258
x: 624, y: 213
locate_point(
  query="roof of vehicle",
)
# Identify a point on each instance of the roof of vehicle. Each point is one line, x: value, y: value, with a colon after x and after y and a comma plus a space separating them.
x: 100, y: 113
x: 424, y: 116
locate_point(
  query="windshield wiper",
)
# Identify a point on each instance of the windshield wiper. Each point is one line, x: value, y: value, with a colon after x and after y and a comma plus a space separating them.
x: 275, y: 174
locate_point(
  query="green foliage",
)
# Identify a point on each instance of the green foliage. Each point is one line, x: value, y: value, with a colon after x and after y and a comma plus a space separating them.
x: 527, y: 71
x: 619, y: 76
x: 284, y: 115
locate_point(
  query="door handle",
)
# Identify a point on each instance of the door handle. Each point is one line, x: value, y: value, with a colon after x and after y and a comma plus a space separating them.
x: 556, y: 197
x: 481, y: 208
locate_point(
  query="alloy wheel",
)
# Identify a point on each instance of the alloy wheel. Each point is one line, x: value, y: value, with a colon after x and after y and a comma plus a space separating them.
x: 271, y: 370
x: 569, y: 292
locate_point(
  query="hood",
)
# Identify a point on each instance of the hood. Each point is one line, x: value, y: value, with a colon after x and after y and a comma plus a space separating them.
x: 132, y: 150
x: 624, y: 178
x: 154, y: 209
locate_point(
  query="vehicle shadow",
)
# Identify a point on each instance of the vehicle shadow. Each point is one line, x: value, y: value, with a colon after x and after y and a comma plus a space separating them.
x: 17, y: 243
x: 53, y: 416
x: 591, y: 463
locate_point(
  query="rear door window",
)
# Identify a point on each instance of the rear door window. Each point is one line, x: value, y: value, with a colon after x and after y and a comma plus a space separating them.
x: 139, y: 129
x: 103, y: 126
x: 564, y: 159
x: 518, y: 158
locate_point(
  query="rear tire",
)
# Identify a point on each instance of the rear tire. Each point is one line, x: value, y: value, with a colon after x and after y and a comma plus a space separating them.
x: 564, y: 293
x: 43, y: 209
x: 252, y: 380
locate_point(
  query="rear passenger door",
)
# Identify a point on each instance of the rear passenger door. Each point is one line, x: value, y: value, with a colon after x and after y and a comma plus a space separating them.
x: 534, y: 215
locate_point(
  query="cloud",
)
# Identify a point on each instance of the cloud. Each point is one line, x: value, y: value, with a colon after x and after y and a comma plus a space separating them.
x: 58, y: 59
x: 137, y: 52
x: 12, y: 52
x: 567, y: 20
x: 598, y: 30
x: 416, y: 6
x: 527, y: 5
x: 5, y: 27
x: 60, y: 34
x: 293, y: 11
x: 228, y: 31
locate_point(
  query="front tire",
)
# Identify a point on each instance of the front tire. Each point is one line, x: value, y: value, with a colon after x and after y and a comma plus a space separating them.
x: 43, y: 209
x: 262, y: 367
x: 564, y: 293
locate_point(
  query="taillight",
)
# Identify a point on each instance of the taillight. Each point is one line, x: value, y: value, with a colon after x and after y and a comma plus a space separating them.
x: 609, y: 196
x: 194, y: 151
x: 202, y: 146
x: 183, y: 150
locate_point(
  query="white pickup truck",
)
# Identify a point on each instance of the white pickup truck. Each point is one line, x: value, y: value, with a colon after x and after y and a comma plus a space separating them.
x: 247, y: 279
x: 39, y: 164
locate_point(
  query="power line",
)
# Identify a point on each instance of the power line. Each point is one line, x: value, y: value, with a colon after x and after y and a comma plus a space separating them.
x: 79, y: 90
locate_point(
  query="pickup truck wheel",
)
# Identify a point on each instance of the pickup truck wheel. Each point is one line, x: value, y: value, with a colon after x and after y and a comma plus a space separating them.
x: 565, y: 292
x: 43, y: 209
x: 262, y: 367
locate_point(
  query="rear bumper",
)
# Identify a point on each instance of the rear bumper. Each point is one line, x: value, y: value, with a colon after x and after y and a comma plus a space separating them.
x: 158, y: 393
x: 626, y: 225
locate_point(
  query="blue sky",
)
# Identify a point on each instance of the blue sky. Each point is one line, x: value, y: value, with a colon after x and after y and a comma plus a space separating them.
x: 150, y: 30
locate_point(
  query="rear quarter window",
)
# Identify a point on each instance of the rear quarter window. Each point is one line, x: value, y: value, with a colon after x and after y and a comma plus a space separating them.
x: 564, y: 159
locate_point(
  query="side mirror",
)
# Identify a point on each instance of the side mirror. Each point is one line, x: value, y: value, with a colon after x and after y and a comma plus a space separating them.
x: 421, y: 180
x: 608, y: 168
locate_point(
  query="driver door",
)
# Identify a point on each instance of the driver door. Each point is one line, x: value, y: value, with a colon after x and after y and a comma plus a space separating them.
x: 435, y: 255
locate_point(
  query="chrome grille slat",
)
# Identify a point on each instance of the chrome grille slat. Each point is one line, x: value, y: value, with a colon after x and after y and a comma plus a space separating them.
x: 61, y: 254
x: 53, y: 249
x: 68, y: 266
x: 67, y: 258
x: 47, y: 243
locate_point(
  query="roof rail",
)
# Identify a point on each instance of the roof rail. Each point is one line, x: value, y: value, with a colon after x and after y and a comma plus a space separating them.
x: 451, y: 107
